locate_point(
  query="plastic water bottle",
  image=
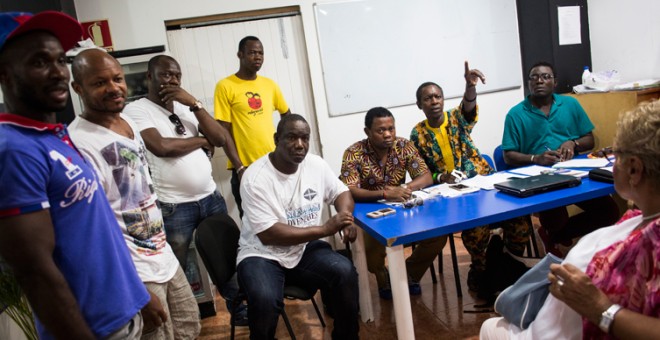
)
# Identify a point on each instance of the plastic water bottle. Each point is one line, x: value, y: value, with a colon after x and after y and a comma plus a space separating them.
x: 586, y: 76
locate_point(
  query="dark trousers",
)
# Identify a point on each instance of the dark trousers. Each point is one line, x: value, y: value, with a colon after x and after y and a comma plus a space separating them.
x: 597, y: 213
x: 262, y: 280
x: 236, y: 190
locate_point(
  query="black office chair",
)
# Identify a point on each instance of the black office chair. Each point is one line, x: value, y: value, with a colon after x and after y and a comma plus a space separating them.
x: 216, y: 240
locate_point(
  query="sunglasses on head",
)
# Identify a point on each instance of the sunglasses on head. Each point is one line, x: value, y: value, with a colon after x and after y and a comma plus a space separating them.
x: 178, y: 126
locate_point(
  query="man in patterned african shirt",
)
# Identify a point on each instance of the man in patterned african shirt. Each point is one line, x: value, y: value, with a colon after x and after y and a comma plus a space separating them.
x: 444, y: 142
x: 374, y: 169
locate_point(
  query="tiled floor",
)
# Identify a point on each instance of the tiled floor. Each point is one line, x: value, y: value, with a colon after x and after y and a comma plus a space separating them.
x: 438, y: 313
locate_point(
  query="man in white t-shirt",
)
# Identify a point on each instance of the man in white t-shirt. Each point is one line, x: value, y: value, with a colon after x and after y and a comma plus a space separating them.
x: 110, y: 142
x: 171, y: 121
x: 283, y: 197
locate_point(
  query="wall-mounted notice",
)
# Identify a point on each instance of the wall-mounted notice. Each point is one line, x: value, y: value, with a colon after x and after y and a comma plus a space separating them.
x: 569, y: 25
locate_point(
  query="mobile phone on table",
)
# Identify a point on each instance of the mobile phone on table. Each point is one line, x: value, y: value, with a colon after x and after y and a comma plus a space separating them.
x: 381, y: 212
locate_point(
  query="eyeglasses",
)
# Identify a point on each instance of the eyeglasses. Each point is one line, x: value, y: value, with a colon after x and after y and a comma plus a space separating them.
x: 178, y: 126
x: 544, y: 76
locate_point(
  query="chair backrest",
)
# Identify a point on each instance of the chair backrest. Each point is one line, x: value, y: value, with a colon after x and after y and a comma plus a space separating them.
x: 216, y: 240
x: 488, y: 160
x: 498, y: 154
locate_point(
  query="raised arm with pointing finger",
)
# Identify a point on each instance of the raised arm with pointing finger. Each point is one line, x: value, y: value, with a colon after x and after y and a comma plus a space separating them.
x: 472, y: 77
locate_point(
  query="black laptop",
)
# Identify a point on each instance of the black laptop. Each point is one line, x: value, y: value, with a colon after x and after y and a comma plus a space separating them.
x: 528, y: 186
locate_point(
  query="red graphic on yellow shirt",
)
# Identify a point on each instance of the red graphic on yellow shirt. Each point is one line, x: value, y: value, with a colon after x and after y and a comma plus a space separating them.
x: 254, y: 100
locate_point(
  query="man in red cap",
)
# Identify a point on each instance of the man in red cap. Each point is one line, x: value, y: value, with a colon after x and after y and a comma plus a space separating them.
x: 57, y: 231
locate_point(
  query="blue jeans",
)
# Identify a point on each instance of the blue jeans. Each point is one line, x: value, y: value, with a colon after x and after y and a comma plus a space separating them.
x: 262, y: 280
x: 181, y: 219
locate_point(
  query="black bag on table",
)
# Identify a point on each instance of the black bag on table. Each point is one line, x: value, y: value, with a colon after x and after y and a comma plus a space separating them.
x: 601, y: 175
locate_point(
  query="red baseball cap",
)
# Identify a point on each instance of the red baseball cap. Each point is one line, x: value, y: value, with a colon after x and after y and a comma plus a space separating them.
x: 65, y: 28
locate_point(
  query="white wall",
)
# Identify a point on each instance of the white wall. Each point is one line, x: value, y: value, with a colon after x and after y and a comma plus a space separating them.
x: 141, y: 23
x: 624, y: 36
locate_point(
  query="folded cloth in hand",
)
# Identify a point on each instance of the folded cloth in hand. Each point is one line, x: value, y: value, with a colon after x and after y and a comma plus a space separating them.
x: 520, y: 302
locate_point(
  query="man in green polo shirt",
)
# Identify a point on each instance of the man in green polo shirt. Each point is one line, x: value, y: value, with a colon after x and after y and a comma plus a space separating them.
x: 544, y: 129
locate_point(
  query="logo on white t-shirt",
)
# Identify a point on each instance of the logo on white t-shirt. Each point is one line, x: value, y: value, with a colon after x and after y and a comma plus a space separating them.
x: 309, y: 194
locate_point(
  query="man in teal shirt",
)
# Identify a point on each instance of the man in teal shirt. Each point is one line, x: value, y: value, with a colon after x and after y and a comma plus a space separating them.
x: 544, y: 129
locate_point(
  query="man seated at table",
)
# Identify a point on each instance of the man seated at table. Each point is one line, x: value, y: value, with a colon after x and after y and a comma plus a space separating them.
x: 374, y: 169
x: 284, y: 193
x: 444, y: 142
x: 544, y: 129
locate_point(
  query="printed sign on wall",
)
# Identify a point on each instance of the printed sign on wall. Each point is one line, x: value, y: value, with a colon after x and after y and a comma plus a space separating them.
x: 99, y: 32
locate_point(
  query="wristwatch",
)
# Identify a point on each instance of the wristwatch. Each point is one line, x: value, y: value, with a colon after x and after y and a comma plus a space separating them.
x: 577, y: 145
x: 607, y: 317
x: 198, y: 106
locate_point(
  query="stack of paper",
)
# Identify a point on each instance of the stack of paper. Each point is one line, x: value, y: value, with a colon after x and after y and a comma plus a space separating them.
x: 488, y: 182
x: 450, y: 190
x: 639, y: 84
x: 531, y: 170
x: 583, y: 163
x: 534, y: 170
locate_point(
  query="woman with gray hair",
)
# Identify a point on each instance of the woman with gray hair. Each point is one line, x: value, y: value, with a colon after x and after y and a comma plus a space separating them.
x: 609, y: 284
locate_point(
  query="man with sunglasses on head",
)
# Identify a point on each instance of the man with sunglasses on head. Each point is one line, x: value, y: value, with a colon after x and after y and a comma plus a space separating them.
x: 171, y: 121
x: 544, y: 129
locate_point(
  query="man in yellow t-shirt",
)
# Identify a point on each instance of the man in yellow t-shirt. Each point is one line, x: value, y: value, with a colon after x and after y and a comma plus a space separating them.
x: 244, y: 104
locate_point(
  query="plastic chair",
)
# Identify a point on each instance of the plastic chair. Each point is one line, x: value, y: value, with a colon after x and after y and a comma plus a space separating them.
x: 498, y: 154
x: 488, y: 160
x: 216, y: 240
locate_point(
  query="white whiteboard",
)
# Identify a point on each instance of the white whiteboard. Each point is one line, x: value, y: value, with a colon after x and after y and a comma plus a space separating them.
x: 377, y: 52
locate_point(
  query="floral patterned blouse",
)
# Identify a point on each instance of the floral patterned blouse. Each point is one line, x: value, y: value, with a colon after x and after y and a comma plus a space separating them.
x: 466, y: 155
x: 628, y: 272
x: 360, y: 168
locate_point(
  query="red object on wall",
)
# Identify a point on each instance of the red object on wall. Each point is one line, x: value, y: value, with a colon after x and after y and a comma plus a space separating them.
x: 99, y: 32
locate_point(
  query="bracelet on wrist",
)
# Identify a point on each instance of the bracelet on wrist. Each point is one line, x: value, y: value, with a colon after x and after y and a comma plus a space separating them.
x: 532, y: 159
x: 435, y: 177
x: 241, y: 169
x: 384, y: 196
x: 469, y: 100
